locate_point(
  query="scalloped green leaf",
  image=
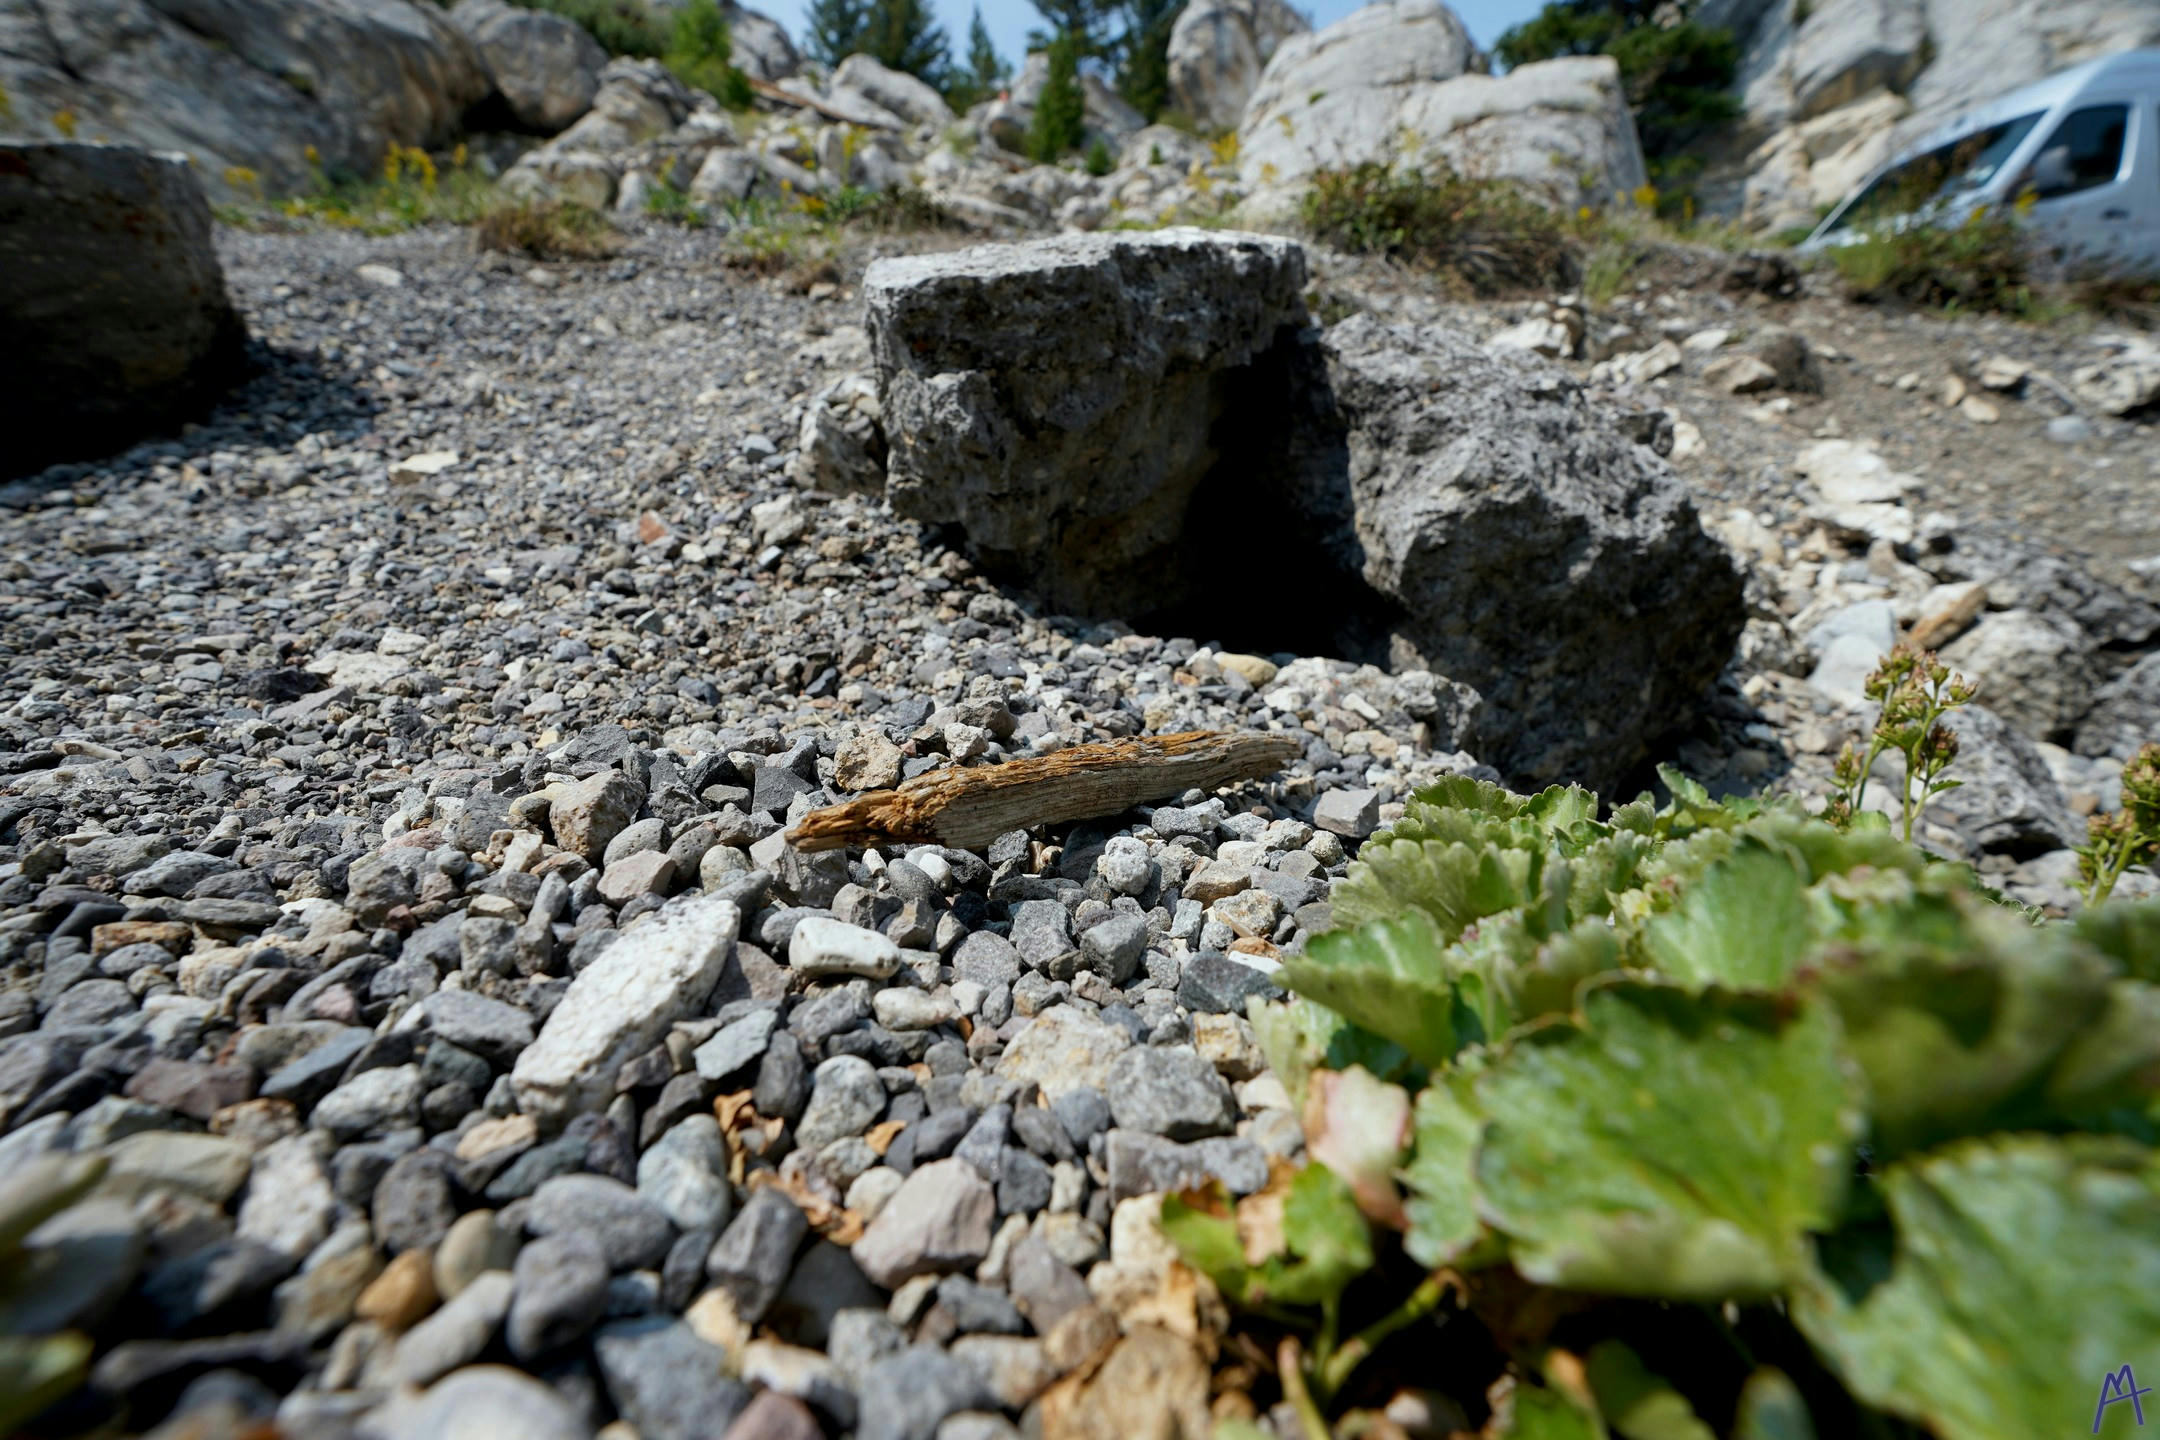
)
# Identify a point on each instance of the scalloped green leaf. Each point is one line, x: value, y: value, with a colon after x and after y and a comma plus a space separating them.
x: 1957, y: 1013
x: 1301, y: 1036
x: 1745, y: 924
x: 2127, y: 932
x: 1455, y: 883
x: 1669, y: 1145
x: 1442, y: 1174
x: 1387, y: 976
x: 2026, y: 1269
x: 1533, y: 1412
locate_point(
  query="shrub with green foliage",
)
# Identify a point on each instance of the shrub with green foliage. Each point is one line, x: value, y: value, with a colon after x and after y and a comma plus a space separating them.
x: 1485, y: 235
x: 623, y: 27
x: 1060, y: 122
x: 1677, y: 76
x: 1713, y: 1119
x: 38, y: 1368
x: 1979, y: 264
x: 698, y: 53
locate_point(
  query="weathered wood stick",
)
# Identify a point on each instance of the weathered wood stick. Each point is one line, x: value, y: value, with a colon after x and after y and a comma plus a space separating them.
x: 968, y: 808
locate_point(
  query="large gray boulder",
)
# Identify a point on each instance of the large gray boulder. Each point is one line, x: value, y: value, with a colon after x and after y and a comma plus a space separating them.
x: 248, y: 88
x: 545, y: 67
x: 1535, y: 550
x: 1218, y: 49
x: 1390, y: 84
x: 2125, y: 714
x: 891, y: 90
x: 1056, y: 399
x: 111, y: 299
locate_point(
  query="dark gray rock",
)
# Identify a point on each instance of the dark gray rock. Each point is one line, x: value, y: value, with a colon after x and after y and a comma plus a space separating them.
x: 562, y: 1288
x: 629, y: 1230
x: 111, y: 297
x: 916, y: 1388
x: 2125, y: 714
x: 1045, y: 1288
x: 752, y: 1258
x: 415, y: 1201
x: 488, y: 1028
x: 1537, y: 552
x: 667, y: 1381
x: 546, y: 68
x: 1140, y: 1164
x: 1055, y: 399
x: 1170, y: 1091
x: 1215, y: 983
x: 986, y: 958
x: 978, y: 1309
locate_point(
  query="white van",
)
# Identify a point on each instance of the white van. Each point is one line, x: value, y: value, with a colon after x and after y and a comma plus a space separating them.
x: 2077, y: 156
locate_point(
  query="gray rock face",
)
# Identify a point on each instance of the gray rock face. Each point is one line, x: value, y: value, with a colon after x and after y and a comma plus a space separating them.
x: 1538, y: 553
x: 1217, y: 51
x: 2033, y: 669
x: 2008, y: 802
x: 2125, y: 713
x: 546, y: 68
x: 111, y: 297
x: 1056, y: 398
x: 1389, y: 81
x: 246, y: 87
x: 758, y: 46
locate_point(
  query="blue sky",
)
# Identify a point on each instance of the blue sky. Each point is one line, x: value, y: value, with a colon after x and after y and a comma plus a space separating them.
x: 1010, y: 20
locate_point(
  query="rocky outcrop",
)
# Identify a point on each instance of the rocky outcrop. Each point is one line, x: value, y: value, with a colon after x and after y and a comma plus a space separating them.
x: 1057, y: 399
x: 111, y: 299
x: 644, y: 123
x: 1537, y: 552
x: 1218, y: 49
x: 895, y: 91
x: 546, y: 68
x: 1472, y: 515
x: 758, y: 45
x: 248, y: 88
x: 1392, y: 84
x: 1834, y: 88
x: 1108, y: 116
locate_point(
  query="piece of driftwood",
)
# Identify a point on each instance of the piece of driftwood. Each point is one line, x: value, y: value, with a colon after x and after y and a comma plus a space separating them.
x: 968, y: 808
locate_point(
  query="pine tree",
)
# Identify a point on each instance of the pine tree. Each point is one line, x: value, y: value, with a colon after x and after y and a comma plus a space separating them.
x: 1086, y: 21
x: 901, y: 35
x: 986, y: 67
x: 985, y: 72
x: 1061, y: 110
x: 1144, y: 53
x: 833, y: 29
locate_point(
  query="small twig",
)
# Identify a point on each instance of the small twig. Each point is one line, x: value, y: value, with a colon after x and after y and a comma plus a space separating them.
x: 968, y: 808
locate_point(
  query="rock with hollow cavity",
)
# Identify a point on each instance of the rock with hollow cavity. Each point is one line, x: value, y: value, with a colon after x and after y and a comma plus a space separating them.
x: 1056, y: 399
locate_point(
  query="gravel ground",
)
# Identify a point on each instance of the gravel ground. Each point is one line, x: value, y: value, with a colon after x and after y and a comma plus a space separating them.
x: 393, y: 889
x: 377, y: 826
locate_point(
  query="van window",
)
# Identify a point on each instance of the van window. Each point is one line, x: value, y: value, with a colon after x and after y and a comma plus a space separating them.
x: 2086, y: 150
x: 1965, y: 164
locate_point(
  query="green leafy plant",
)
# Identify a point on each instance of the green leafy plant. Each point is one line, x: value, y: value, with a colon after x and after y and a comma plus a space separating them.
x: 2130, y: 836
x: 1486, y: 236
x: 1099, y: 161
x: 36, y: 1368
x: 412, y: 189
x: 1980, y: 263
x: 1700, y: 1119
x: 698, y: 55
x: 666, y: 202
x: 1915, y: 691
x: 547, y: 230
x: 623, y: 27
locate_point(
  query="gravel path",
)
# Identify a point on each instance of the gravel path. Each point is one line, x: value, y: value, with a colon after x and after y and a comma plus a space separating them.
x: 377, y: 826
